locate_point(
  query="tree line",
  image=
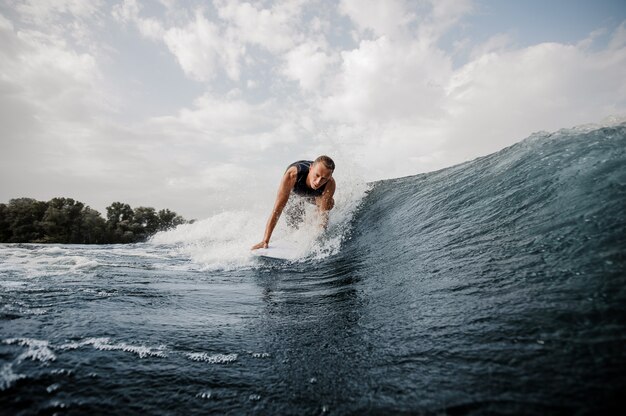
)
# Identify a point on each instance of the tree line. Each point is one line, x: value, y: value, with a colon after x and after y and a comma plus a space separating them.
x: 66, y: 221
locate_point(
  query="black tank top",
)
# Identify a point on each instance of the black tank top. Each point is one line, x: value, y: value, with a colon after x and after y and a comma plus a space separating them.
x: 301, y: 188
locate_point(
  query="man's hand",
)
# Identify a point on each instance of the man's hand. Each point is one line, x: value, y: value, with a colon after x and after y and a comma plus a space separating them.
x: 262, y: 244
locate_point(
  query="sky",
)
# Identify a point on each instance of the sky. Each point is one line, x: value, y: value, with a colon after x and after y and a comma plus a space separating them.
x: 199, y: 106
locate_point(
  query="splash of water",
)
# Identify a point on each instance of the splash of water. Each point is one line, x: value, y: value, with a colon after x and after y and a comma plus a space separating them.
x: 223, y: 241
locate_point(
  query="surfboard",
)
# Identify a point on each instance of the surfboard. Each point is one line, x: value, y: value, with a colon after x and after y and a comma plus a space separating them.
x: 279, y: 250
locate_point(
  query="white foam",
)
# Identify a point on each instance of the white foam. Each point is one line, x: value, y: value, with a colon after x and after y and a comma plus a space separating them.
x: 12, y: 284
x: 53, y: 387
x: 610, y: 121
x: 38, y: 261
x: 82, y: 263
x: 37, y: 311
x: 61, y: 372
x: 8, y: 377
x: 53, y: 250
x: 104, y: 344
x: 219, y: 242
x: 22, y: 308
x: 205, y: 395
x: 101, y: 293
x: 261, y: 355
x: 38, y: 350
x: 212, y: 358
x: 223, y: 241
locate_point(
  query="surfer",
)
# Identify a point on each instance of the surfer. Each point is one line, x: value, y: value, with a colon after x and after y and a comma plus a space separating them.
x: 309, y: 181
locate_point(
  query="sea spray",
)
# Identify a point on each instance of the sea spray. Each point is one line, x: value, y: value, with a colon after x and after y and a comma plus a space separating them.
x: 223, y: 240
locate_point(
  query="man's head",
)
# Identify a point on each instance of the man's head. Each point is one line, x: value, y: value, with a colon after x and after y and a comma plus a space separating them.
x: 326, y: 161
x: 321, y: 171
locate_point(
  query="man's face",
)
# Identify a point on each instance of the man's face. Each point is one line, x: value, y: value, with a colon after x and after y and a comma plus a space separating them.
x: 319, y: 175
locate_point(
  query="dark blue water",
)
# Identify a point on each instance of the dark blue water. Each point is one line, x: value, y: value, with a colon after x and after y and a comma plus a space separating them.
x: 494, y: 287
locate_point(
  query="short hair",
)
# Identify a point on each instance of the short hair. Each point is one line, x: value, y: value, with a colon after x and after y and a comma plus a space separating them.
x: 328, y: 162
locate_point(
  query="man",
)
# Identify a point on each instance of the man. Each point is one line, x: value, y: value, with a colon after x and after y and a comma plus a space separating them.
x: 309, y: 181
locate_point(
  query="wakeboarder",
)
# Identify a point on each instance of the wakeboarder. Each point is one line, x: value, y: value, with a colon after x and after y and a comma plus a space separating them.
x: 303, y: 181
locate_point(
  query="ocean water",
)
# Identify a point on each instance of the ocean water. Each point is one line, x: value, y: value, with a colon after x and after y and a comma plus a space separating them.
x: 497, y: 286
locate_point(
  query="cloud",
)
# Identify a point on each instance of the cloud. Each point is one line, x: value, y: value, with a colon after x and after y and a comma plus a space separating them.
x: 219, y: 120
x: 129, y: 12
x: 388, y: 18
x: 384, y: 80
x: 403, y: 107
x: 216, y: 176
x: 618, y: 41
x: 196, y: 47
x: 497, y: 44
x: 47, y: 81
x: 45, y: 11
x: 445, y: 14
x: 63, y: 17
x: 126, y: 11
x: 250, y: 87
x: 273, y: 29
x: 201, y: 46
x: 204, y: 46
x: 499, y: 95
x: 307, y: 64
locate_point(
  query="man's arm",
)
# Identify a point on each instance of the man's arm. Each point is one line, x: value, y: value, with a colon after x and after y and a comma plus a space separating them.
x: 286, y: 185
x: 326, y: 202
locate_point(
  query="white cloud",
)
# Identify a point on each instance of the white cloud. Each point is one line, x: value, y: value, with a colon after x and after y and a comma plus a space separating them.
x: 63, y: 17
x: 618, y: 40
x: 129, y: 12
x: 403, y: 108
x: 387, y: 80
x: 273, y: 29
x: 196, y: 47
x: 40, y: 72
x: 220, y: 119
x: 44, y: 11
x: 215, y: 176
x: 446, y: 13
x: 502, y: 97
x: 498, y: 43
x: 307, y: 64
x: 200, y: 46
x: 383, y: 18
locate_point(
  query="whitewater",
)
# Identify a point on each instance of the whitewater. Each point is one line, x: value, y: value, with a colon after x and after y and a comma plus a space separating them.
x: 495, y: 286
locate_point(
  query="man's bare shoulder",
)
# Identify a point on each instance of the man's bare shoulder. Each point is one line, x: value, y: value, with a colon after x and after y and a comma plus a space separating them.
x: 292, y: 172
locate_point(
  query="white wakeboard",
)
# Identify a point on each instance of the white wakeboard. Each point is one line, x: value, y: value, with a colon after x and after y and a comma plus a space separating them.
x: 280, y: 250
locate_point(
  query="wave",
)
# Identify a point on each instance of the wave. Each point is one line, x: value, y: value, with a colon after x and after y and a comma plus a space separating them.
x: 503, y: 271
x: 547, y: 193
x: 561, y: 195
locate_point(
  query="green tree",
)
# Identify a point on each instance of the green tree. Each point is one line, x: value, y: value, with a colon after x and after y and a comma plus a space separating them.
x: 5, y: 226
x: 93, y: 226
x: 145, y: 222
x: 118, y: 212
x: 169, y: 219
x: 119, y: 222
x: 62, y: 221
x: 24, y: 216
